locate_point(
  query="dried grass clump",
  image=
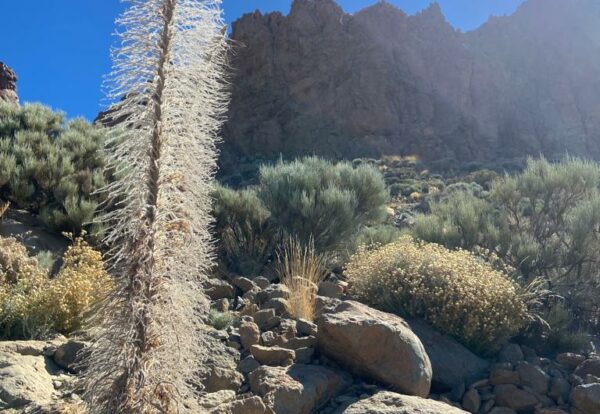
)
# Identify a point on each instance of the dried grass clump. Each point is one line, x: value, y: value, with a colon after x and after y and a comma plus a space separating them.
x: 33, y: 304
x: 301, y: 269
x: 453, y: 290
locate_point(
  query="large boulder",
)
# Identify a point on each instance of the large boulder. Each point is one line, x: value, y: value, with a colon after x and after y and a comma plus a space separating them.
x: 299, y: 389
x: 586, y: 398
x: 385, y: 402
x: 453, y: 365
x: 377, y: 345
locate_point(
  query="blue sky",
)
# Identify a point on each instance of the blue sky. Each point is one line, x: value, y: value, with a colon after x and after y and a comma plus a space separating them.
x: 60, y: 48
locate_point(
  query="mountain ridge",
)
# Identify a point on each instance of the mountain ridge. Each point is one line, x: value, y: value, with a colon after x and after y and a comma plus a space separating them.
x: 379, y: 81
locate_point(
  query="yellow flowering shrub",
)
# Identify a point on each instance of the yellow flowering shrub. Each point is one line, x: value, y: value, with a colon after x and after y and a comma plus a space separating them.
x: 33, y: 303
x: 455, y: 291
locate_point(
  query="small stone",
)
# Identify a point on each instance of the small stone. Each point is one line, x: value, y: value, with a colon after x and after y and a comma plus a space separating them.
x: 214, y: 399
x: 279, y: 304
x: 570, y: 360
x: 302, y: 342
x: 249, y: 334
x: 249, y: 309
x: 487, y: 406
x: 306, y: 328
x: 268, y: 338
x: 471, y: 401
x: 244, y: 284
x: 586, y: 398
x: 273, y: 356
x: 221, y: 305
x: 248, y: 364
x: 277, y: 291
x: 217, y: 289
x: 304, y: 355
x: 510, y: 396
x: 589, y: 366
x: 222, y: 379
x: 66, y: 355
x: 266, y: 319
x: 500, y: 376
x: 330, y: 289
x: 251, y: 295
x: 502, y: 410
x: 511, y: 353
x: 249, y: 405
x: 534, y: 377
x: 559, y: 388
x: 261, y: 281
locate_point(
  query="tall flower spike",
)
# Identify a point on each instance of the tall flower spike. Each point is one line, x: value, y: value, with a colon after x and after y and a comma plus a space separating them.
x: 169, y: 75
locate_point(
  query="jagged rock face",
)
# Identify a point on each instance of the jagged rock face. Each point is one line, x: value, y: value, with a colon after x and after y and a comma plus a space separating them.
x: 8, y: 84
x: 381, y: 82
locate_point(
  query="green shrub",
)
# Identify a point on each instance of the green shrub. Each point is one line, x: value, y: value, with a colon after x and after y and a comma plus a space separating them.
x: 313, y: 198
x: 453, y: 290
x: 50, y: 168
x: 244, y: 228
x: 378, y: 235
x: 32, y: 304
x: 220, y: 320
x: 461, y: 220
x: 544, y: 222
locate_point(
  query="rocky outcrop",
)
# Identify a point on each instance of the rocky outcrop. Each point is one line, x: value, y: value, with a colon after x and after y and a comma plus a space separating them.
x: 386, y: 402
x: 8, y: 85
x: 381, y: 82
x: 377, y: 345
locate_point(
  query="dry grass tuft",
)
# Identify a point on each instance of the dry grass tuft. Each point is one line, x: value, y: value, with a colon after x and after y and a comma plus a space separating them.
x: 301, y: 269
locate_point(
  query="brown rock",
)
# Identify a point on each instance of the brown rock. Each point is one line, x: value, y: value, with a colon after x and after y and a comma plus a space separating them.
x: 331, y: 289
x: 570, y: 360
x: 586, y: 398
x: 217, y: 289
x: 273, y: 356
x: 471, y: 401
x: 222, y: 379
x: 500, y: 376
x: 353, y: 335
x: 534, y: 377
x: 385, y: 402
x: 250, y: 405
x: 299, y: 389
x: 266, y: 319
x: 280, y: 305
x: 24, y: 379
x: 453, y: 365
x: 559, y: 388
x: 588, y: 367
x: 514, y: 398
x: 249, y: 334
x: 66, y: 355
x: 244, y: 284
x: 305, y: 327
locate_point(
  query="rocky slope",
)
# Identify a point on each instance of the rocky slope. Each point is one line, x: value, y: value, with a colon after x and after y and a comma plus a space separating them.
x: 322, y: 81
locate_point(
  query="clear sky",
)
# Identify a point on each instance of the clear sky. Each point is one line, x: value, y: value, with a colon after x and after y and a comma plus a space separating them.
x: 60, y: 48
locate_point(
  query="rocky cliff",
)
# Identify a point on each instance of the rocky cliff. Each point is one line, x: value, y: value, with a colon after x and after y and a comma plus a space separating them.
x: 8, y: 84
x: 381, y: 82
